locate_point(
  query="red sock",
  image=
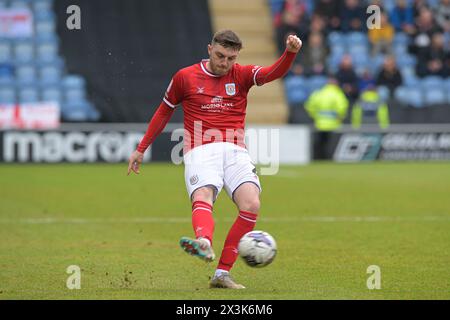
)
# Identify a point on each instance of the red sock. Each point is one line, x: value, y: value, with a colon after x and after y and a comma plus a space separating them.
x: 202, y: 220
x: 244, y: 223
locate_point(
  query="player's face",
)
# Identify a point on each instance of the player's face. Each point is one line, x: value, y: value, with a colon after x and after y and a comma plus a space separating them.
x: 221, y: 59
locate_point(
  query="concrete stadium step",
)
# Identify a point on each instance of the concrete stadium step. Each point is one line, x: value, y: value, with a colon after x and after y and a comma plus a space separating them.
x: 250, y: 6
x: 263, y: 113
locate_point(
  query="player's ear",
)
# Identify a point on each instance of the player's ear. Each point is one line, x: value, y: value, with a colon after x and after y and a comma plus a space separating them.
x: 209, y: 49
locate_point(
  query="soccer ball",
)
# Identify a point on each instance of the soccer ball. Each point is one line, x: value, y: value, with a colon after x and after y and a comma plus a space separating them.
x: 257, y: 248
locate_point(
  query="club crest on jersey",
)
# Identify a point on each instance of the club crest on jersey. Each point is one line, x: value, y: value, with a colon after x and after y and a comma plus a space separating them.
x: 230, y: 89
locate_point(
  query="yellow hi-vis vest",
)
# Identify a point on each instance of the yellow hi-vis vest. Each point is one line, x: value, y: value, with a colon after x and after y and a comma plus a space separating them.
x: 328, y: 107
x: 370, y: 108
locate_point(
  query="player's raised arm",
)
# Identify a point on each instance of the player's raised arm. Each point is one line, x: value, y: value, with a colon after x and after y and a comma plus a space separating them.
x: 155, y: 127
x: 282, y: 65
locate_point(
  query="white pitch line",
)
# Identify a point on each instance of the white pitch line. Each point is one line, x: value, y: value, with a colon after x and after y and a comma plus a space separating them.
x: 171, y: 220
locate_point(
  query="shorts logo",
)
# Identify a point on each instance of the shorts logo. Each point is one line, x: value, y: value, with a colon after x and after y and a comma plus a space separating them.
x: 194, y: 179
x: 230, y: 88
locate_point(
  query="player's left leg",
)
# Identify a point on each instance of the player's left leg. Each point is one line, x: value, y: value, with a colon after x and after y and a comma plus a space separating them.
x: 246, y: 197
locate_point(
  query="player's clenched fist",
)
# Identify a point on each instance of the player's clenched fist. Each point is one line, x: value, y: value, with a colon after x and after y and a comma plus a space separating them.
x: 135, y: 161
x: 293, y: 43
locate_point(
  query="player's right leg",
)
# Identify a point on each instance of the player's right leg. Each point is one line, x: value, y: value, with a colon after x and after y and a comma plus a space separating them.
x: 204, y: 181
x: 203, y: 224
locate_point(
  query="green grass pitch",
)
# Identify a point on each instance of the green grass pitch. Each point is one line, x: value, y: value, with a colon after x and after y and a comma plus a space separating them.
x: 331, y: 223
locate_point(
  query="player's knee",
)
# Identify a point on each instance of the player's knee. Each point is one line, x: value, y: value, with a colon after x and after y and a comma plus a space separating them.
x: 205, y: 194
x: 250, y: 205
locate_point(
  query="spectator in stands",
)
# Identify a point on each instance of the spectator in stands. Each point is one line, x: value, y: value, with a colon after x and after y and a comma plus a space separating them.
x: 352, y: 16
x: 318, y: 25
x: 402, y: 17
x: 293, y: 20
x: 328, y: 108
x: 366, y: 80
x: 370, y: 108
x: 381, y: 38
x: 389, y: 75
x: 421, y: 38
x: 435, y: 62
x: 313, y: 58
x: 347, y: 78
x: 442, y: 13
x: 328, y: 10
x: 419, y: 6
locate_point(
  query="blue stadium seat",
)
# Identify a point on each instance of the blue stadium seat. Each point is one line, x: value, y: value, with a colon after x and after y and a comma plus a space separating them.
x: 50, y: 74
x: 434, y: 96
x: 52, y: 94
x: 79, y: 111
x: 25, y: 74
x: 42, y: 5
x: 24, y: 52
x: 401, y: 38
x: 333, y: 62
x: 44, y: 28
x: 76, y: 81
x: 431, y: 82
x: 28, y: 95
x: 316, y: 82
x: 5, y: 52
x: 359, y: 50
x: 296, y: 89
x: 383, y: 92
x: 19, y: 4
x: 357, y: 38
x: 47, y: 52
x: 335, y: 37
x: 409, y: 96
x: 406, y: 60
x: 75, y: 94
x: 7, y: 95
x: 338, y: 49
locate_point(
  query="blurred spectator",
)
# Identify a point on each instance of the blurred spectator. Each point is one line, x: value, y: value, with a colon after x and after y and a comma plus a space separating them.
x: 370, y: 108
x: 314, y: 55
x: 347, y: 78
x: 328, y: 10
x: 365, y: 80
x: 381, y: 38
x: 442, y: 13
x: 402, y: 17
x: 328, y: 108
x: 352, y: 16
x: 421, y: 41
x: 389, y: 75
x: 318, y: 25
x: 293, y: 19
x: 435, y: 61
x: 419, y: 6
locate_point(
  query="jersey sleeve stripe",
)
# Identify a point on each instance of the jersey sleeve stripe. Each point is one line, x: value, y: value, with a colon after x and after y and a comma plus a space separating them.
x: 168, y: 103
x: 254, y: 76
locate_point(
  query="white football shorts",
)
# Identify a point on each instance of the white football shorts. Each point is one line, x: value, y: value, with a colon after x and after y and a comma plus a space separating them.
x: 219, y: 164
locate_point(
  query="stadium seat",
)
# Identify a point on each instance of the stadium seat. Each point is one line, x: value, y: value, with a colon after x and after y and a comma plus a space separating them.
x: 19, y: 4
x: 296, y: 89
x: 338, y: 49
x: 28, y: 95
x: 75, y: 94
x: 42, y: 5
x: 316, y: 82
x: 76, y: 81
x: 401, y: 38
x: 52, y: 94
x: 79, y: 111
x: 431, y: 82
x: 406, y: 60
x: 24, y: 52
x: 435, y: 96
x: 5, y: 52
x: 356, y: 38
x: 47, y: 52
x: 383, y: 92
x: 7, y: 95
x: 409, y: 96
x: 335, y: 37
x: 25, y: 74
x: 44, y: 28
x: 50, y: 74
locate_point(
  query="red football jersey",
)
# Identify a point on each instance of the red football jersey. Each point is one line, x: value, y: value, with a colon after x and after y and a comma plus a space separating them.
x: 214, y: 106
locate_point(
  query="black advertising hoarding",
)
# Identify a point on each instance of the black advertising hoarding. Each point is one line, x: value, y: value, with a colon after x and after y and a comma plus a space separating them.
x: 397, y: 144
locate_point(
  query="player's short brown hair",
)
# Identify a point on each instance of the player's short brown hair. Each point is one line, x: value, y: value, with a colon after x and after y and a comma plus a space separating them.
x: 227, y: 39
